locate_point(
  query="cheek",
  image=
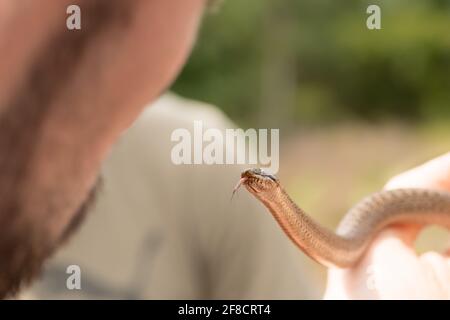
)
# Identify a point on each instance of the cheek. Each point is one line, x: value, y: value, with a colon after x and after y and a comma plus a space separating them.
x: 150, y: 55
x: 171, y: 30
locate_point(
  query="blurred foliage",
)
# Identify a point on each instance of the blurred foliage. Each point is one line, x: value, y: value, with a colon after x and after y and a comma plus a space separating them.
x: 309, y: 62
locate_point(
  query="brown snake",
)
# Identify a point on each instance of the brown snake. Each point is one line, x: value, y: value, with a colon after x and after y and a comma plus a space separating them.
x: 360, y: 225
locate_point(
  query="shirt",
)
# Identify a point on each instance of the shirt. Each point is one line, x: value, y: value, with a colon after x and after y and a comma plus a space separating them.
x: 164, y: 231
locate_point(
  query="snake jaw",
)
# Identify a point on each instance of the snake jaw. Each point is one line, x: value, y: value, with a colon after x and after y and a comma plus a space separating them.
x: 245, y: 182
x: 256, y: 181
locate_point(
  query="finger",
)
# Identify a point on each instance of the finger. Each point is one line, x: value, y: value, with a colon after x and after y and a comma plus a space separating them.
x: 392, y: 244
x: 395, y: 268
x: 382, y: 266
x: 407, y: 233
x: 439, y: 271
x: 399, y: 272
x: 447, y: 252
x: 433, y: 174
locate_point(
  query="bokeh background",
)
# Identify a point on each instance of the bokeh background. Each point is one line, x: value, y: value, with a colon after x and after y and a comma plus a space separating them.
x: 354, y: 106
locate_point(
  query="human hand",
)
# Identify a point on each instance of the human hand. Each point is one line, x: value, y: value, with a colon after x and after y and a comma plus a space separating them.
x: 391, y: 269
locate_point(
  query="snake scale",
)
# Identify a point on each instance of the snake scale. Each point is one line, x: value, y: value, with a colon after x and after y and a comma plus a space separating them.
x: 345, y: 247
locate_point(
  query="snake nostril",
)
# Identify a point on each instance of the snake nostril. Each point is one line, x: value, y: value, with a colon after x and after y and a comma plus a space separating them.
x: 246, y: 173
x: 251, y: 173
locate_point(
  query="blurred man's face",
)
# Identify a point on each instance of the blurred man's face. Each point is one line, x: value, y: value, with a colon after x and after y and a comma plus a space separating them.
x: 65, y: 97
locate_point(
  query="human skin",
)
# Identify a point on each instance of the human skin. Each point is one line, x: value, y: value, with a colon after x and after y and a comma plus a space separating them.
x: 391, y: 269
x: 65, y: 98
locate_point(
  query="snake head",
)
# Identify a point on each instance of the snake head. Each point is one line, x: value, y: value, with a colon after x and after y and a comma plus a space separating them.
x: 256, y: 181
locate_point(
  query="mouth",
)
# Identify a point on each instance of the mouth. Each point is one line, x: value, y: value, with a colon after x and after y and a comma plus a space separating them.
x: 252, y: 176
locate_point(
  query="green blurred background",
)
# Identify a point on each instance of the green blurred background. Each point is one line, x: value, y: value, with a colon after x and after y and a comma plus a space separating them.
x: 355, y: 106
x: 313, y: 62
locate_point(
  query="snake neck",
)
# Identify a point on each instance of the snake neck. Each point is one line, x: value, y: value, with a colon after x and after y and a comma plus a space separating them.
x: 344, y: 248
x: 319, y: 243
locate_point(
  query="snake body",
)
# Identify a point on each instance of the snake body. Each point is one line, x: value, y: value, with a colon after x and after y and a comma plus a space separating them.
x: 345, y: 247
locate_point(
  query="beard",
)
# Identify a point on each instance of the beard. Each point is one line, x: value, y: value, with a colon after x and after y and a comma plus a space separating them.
x: 31, y: 230
x: 23, y: 249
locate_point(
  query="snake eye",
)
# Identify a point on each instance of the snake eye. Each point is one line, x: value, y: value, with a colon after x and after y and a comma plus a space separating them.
x: 258, y: 171
x: 262, y: 173
x: 270, y: 176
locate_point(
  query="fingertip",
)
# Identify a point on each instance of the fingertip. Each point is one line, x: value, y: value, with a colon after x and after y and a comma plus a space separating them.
x: 407, y: 234
x: 438, y: 268
x: 434, y: 174
x: 393, y: 247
